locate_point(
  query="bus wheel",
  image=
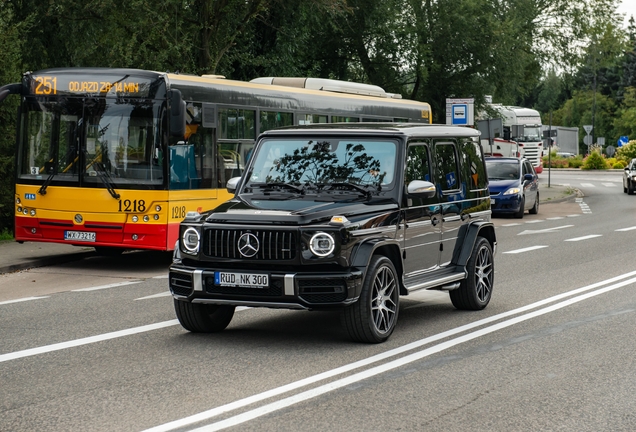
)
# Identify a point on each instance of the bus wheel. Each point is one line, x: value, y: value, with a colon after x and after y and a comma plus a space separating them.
x: 203, y: 318
x: 108, y: 251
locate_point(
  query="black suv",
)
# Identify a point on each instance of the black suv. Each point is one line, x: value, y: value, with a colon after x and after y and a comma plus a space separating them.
x: 342, y: 216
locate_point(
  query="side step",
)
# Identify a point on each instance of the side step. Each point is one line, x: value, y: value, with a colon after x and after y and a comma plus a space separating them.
x: 447, y: 279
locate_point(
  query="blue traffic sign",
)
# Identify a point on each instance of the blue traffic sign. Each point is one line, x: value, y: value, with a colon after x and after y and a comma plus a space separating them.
x: 459, y: 114
x: 623, y: 140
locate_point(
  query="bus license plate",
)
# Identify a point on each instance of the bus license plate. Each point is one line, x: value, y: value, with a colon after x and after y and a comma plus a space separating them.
x: 245, y: 280
x: 79, y: 236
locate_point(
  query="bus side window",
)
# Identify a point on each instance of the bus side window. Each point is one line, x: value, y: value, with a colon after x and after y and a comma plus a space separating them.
x: 183, y: 171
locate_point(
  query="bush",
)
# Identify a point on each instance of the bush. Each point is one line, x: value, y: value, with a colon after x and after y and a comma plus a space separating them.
x: 619, y: 165
x: 575, y: 162
x: 594, y: 161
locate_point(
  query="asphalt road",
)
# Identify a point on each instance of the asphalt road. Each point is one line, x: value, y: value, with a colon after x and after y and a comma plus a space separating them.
x: 93, y: 345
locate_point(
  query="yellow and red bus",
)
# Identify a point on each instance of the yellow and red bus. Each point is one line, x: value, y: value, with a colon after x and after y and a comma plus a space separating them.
x: 115, y: 158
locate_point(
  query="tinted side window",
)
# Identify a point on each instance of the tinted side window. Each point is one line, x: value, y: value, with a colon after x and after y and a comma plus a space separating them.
x: 446, y: 166
x: 474, y: 169
x: 417, y: 163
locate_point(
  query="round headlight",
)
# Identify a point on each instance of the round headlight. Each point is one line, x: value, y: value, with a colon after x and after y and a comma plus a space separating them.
x: 190, y: 240
x: 322, y: 244
x: 146, y: 218
x: 135, y: 218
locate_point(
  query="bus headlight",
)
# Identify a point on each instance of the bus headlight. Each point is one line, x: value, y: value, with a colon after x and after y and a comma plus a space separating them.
x: 322, y: 244
x: 190, y: 241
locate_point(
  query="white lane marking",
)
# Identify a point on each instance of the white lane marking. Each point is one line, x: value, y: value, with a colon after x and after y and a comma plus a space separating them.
x: 528, y: 249
x: 113, y: 285
x: 547, y: 230
x: 584, y: 237
x: 535, y: 221
x: 609, y: 184
x: 587, y: 185
x: 360, y: 376
x: 626, y: 229
x: 555, y: 218
x: 22, y: 299
x: 161, y: 294
x: 85, y: 341
x: 161, y: 277
x: 511, y: 224
x: 574, y: 215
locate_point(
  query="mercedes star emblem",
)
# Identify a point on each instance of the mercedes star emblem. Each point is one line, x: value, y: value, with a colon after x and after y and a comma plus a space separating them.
x: 248, y: 245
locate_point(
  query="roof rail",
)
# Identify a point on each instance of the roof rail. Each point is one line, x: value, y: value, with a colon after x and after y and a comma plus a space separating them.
x: 328, y: 85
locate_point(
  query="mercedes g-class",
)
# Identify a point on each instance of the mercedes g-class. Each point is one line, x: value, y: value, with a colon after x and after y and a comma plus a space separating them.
x: 342, y: 216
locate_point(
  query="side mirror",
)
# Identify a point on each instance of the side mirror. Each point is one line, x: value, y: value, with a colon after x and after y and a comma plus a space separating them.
x: 177, y: 114
x: 232, y: 184
x: 528, y: 177
x: 421, y: 189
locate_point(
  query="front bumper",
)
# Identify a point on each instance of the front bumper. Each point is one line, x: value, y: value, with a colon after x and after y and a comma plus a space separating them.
x: 300, y: 290
x: 504, y: 204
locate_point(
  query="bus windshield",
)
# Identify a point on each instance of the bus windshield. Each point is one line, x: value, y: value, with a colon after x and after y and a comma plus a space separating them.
x: 79, y: 141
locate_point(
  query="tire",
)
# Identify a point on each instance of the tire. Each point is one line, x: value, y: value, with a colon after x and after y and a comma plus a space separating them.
x: 535, y: 207
x: 203, y: 318
x: 519, y: 214
x: 630, y: 191
x: 373, y: 317
x: 108, y: 251
x: 475, y: 291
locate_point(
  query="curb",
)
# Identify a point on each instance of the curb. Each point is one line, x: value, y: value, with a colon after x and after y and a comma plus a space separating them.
x: 576, y: 193
x: 45, y: 261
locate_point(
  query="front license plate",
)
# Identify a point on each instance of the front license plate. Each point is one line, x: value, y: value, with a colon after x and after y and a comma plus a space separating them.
x: 245, y: 280
x: 492, y: 201
x: 79, y: 236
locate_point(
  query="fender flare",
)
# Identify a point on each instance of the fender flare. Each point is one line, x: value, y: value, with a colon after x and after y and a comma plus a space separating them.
x: 474, y: 230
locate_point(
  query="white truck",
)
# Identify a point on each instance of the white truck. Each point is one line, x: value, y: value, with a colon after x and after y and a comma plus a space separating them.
x: 529, y: 144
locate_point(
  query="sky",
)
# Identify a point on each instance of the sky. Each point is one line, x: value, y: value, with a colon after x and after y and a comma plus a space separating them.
x: 628, y: 7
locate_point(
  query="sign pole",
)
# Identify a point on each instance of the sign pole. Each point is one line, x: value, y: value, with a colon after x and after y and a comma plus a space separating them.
x: 550, y: 149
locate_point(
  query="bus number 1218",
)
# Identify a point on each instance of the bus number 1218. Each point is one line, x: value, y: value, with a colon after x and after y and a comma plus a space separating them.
x: 132, y: 206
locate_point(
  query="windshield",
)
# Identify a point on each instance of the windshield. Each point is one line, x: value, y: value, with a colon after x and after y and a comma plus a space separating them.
x: 531, y: 134
x: 324, y: 162
x: 502, y: 171
x: 83, y: 140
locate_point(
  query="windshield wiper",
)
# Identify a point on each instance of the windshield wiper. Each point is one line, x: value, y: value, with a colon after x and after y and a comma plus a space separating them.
x: 105, y: 178
x: 47, y: 182
x: 281, y: 185
x: 351, y: 186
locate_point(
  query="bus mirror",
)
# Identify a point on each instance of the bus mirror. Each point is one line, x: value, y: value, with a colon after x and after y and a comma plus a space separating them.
x: 177, y: 114
x: 9, y: 89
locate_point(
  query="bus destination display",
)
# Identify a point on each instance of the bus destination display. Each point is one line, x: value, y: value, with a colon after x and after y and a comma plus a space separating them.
x: 51, y: 85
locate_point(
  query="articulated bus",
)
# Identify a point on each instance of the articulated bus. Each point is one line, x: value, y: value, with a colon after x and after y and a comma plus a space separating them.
x: 115, y: 158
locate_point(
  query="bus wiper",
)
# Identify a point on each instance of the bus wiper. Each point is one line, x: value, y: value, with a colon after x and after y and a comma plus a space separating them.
x: 104, y: 176
x: 47, y: 182
x: 282, y: 185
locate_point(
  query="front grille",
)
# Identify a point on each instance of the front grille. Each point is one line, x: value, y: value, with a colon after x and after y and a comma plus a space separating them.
x: 181, y: 283
x: 275, y: 289
x: 322, y: 290
x: 273, y: 245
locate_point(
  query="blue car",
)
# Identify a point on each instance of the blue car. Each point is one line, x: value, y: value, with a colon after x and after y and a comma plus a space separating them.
x: 513, y: 185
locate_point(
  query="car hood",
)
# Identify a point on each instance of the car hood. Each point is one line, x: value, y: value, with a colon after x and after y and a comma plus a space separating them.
x: 296, y: 212
x: 498, y: 186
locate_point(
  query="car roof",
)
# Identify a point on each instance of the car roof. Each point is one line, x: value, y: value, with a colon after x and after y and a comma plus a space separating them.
x: 504, y: 160
x: 376, y: 129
